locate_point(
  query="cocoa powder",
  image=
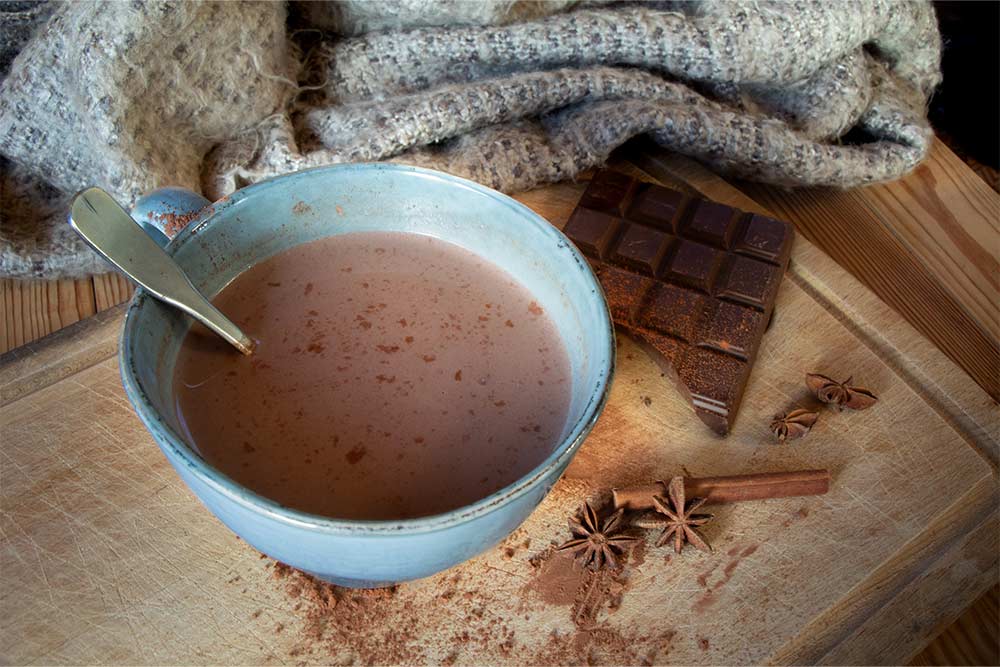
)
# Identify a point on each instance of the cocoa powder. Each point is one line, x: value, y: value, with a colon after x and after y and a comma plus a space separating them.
x: 173, y: 223
x: 591, y: 596
x: 336, y: 617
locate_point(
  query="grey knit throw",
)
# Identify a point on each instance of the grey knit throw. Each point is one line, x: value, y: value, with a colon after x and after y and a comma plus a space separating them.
x: 212, y: 96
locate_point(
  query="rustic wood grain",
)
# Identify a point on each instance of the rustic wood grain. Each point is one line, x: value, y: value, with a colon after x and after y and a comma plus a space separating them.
x: 95, y: 518
x: 902, y: 610
x: 935, y: 230
x: 970, y: 640
x: 40, y: 363
x: 952, y: 222
x: 110, y: 289
x: 888, y: 236
x: 32, y: 309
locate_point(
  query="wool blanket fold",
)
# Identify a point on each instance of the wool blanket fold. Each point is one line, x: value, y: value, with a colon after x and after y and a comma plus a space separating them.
x: 216, y: 95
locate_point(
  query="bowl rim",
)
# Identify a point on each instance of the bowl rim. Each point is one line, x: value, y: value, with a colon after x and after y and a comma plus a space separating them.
x: 178, y: 452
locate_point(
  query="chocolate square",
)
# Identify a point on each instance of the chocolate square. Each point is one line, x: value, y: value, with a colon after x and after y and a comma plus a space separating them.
x: 694, y: 264
x: 624, y: 291
x: 766, y: 238
x: 591, y: 231
x: 669, y: 350
x: 715, y: 382
x: 641, y: 248
x: 674, y: 310
x: 734, y: 330
x: 607, y: 192
x: 750, y: 282
x: 711, y: 223
x: 657, y: 207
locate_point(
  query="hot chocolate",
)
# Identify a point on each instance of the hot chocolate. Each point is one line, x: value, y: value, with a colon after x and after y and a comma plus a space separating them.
x: 396, y: 376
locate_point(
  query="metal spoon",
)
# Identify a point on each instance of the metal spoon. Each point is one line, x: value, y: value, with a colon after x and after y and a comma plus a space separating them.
x: 111, y: 231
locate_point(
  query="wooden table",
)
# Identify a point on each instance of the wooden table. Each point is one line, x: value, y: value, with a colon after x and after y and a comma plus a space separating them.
x: 927, y: 245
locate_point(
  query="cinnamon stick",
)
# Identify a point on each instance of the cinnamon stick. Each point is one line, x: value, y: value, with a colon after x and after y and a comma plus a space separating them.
x: 732, y: 488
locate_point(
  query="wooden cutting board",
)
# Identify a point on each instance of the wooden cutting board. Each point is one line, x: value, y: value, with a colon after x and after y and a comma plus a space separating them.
x: 105, y: 556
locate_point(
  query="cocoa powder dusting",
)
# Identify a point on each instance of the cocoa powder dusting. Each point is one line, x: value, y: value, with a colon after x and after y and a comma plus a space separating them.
x: 559, y: 578
x: 358, y: 620
x: 591, y: 596
x: 470, y: 624
x: 173, y: 223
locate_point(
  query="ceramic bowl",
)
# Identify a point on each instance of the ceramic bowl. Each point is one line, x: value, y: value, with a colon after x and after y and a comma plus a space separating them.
x: 225, y: 238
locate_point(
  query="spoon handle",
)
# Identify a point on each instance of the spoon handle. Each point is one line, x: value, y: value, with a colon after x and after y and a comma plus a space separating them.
x: 111, y: 231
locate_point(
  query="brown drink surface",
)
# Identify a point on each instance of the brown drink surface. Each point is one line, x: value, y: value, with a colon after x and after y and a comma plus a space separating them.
x: 396, y: 376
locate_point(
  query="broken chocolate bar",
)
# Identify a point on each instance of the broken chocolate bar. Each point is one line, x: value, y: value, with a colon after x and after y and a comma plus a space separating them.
x: 693, y: 280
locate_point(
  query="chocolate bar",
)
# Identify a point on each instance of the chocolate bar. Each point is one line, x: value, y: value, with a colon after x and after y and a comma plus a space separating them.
x: 692, y: 280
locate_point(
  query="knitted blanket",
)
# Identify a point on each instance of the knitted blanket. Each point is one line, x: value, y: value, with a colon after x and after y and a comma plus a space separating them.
x: 213, y: 96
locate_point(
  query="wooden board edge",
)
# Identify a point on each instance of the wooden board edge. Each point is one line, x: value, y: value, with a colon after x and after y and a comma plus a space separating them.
x: 972, y: 639
x: 59, y: 355
x: 947, y: 388
x: 870, y: 604
x: 934, y: 600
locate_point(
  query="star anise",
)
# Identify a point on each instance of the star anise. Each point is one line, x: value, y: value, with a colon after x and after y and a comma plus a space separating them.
x: 681, y: 520
x: 840, y: 393
x: 594, y: 544
x: 793, y: 425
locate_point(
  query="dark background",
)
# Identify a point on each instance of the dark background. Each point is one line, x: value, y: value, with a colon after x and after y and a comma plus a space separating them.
x: 966, y: 108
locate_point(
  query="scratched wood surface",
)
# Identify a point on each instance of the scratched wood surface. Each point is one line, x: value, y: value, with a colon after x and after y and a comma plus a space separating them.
x: 95, y: 521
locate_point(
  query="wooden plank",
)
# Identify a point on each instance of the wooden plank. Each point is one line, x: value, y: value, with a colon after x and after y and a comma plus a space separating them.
x: 950, y: 219
x: 970, y: 640
x: 893, y: 613
x: 110, y: 289
x: 59, y: 355
x: 76, y: 300
x: 871, y: 232
x: 920, y: 239
x: 8, y: 334
x: 33, y: 309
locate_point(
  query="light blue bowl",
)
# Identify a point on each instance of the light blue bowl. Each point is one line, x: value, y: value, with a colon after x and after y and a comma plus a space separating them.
x: 259, y: 221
